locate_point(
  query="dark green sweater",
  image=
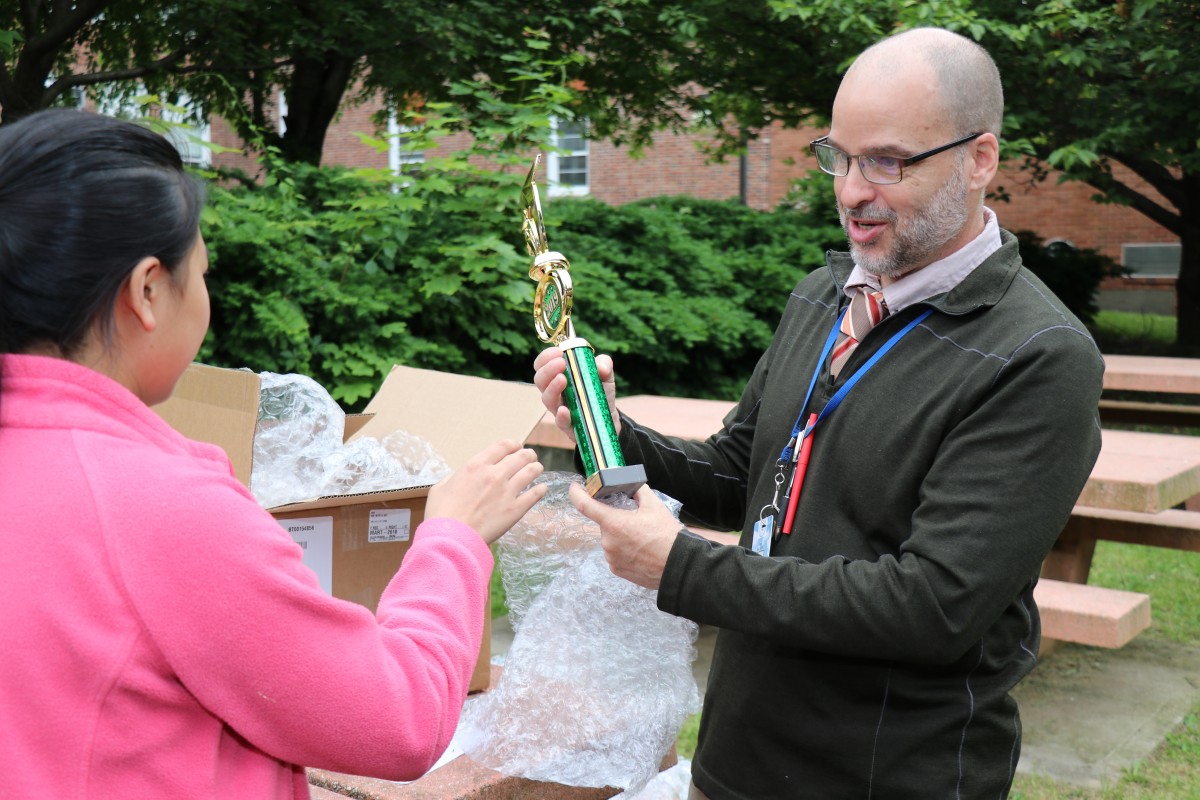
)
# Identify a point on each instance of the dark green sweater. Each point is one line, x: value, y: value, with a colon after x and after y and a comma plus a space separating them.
x: 871, y: 656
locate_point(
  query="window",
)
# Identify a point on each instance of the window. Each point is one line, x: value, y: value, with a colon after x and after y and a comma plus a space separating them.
x: 191, y: 138
x: 567, y: 170
x: 1152, y: 260
x: 281, y: 111
x: 183, y: 124
x: 400, y: 156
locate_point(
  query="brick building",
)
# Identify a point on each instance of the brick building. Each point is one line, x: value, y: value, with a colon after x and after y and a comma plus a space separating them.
x: 674, y: 165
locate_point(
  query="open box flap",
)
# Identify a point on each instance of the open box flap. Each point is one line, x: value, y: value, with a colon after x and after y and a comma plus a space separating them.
x: 458, y: 415
x: 219, y: 406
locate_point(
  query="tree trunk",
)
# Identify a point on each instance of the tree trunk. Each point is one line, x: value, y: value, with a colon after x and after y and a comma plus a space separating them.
x: 23, y: 94
x: 314, y: 95
x: 1187, y: 287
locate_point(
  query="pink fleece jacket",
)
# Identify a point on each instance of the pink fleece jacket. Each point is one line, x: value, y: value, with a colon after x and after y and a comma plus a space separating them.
x: 160, y: 636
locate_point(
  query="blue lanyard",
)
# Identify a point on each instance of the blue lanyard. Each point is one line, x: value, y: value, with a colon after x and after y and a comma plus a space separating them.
x: 798, y: 436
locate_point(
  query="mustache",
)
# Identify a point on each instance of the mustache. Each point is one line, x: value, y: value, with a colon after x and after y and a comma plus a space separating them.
x: 869, y: 214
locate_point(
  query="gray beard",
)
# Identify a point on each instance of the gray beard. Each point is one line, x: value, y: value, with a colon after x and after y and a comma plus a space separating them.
x: 916, y: 239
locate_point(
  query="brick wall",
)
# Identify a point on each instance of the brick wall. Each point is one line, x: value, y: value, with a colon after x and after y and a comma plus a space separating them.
x: 675, y: 165
x: 1067, y: 212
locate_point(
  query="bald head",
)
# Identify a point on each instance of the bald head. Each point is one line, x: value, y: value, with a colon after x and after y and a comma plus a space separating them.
x: 962, y: 76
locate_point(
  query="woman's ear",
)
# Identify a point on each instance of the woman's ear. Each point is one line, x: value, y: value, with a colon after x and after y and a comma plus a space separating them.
x: 142, y: 294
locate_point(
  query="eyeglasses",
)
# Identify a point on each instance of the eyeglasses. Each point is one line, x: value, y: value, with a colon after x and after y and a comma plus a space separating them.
x: 876, y: 169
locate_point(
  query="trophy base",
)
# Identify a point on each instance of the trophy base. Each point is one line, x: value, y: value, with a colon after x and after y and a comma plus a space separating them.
x: 616, y: 480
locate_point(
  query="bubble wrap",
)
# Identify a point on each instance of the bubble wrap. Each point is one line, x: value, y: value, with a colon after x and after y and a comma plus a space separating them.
x: 670, y: 784
x: 598, y: 681
x: 299, y: 453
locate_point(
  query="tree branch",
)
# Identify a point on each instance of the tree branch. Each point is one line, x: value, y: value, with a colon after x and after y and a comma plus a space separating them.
x: 60, y: 28
x: 90, y: 78
x: 1156, y: 175
x: 1138, y: 201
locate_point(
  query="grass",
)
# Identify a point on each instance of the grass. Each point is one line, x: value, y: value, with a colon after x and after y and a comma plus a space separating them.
x: 1125, y: 331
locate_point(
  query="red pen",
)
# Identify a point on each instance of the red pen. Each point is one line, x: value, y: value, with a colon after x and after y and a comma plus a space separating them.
x: 798, y: 475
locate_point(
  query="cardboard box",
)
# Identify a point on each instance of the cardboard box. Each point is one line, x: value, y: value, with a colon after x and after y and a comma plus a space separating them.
x: 355, y: 543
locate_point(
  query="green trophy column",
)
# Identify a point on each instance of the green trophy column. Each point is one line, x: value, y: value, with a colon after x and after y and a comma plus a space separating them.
x: 595, y: 434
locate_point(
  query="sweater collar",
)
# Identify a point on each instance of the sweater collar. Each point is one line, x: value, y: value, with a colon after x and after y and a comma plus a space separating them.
x: 983, y: 287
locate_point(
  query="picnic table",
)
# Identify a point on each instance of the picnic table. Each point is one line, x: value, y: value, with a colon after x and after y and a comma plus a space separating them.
x: 1133, y: 494
x: 1141, y: 382
x: 1152, y: 374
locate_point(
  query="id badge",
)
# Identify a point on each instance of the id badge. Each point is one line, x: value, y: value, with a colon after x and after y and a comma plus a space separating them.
x: 764, y: 531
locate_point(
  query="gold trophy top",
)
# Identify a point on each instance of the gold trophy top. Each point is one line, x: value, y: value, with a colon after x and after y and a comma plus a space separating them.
x: 534, y: 228
x: 552, y: 302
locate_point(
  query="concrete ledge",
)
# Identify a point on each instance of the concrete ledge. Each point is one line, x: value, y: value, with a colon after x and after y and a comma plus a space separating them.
x: 1091, y: 615
x: 317, y: 793
x: 461, y: 779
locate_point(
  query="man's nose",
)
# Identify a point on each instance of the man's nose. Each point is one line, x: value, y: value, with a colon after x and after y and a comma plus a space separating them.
x: 853, y: 189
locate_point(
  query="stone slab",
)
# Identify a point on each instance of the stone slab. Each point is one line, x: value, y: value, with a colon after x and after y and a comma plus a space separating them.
x: 1147, y: 472
x: 1089, y: 713
x: 1093, y: 615
x: 1152, y: 374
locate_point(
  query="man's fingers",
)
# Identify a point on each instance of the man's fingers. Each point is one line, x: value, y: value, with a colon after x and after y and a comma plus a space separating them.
x: 587, y: 505
x: 644, y: 494
x: 604, y: 366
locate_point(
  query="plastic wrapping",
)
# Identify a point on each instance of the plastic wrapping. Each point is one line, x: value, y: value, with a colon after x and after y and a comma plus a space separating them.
x: 670, y: 784
x: 299, y: 453
x: 598, y: 681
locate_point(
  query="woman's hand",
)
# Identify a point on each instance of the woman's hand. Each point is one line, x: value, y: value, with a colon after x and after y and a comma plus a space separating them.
x: 488, y: 492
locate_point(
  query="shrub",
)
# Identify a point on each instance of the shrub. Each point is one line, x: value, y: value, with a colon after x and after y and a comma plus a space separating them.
x: 339, y: 274
x: 1073, y: 274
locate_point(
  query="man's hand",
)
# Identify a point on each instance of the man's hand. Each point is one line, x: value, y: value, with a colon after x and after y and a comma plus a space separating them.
x: 489, y: 491
x: 636, y: 543
x: 551, y: 380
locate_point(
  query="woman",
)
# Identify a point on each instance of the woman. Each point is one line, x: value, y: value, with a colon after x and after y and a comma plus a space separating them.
x: 162, y: 637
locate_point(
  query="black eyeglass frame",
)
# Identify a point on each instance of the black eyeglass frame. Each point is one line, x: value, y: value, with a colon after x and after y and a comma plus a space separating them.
x: 904, y: 162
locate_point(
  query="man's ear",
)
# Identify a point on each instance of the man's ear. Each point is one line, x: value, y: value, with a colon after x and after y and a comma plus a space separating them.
x: 986, y: 154
x: 143, y: 291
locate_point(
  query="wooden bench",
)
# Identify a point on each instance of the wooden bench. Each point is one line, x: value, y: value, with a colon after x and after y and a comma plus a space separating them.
x: 1132, y: 412
x: 1091, y: 615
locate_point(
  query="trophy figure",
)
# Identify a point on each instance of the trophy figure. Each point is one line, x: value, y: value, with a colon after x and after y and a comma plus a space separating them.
x: 604, y: 467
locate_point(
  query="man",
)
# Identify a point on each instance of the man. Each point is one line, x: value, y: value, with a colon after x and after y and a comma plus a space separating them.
x: 869, y: 653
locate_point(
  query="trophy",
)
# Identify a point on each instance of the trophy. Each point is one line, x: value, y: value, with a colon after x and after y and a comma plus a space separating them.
x: 604, y: 467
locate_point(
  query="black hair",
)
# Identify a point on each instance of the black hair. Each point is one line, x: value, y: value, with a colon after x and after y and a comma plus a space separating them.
x: 83, y: 199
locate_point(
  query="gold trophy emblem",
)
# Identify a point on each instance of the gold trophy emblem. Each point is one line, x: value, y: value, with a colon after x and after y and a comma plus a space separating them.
x: 604, y: 466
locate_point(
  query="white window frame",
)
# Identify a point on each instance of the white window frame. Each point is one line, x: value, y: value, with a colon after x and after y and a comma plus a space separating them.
x: 187, y: 137
x: 398, y: 156
x: 555, y: 188
x: 281, y: 111
x: 1172, y: 251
